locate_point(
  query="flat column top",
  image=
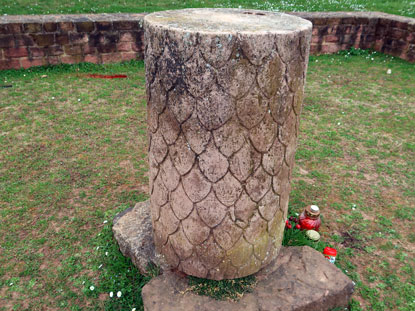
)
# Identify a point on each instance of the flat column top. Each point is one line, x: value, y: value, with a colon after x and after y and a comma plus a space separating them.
x: 228, y: 21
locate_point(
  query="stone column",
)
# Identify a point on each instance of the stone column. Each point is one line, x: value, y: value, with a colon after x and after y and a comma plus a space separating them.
x: 224, y: 89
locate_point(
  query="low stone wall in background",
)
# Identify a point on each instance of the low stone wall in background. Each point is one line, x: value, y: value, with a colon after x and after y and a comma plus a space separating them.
x: 35, y: 40
x: 386, y: 33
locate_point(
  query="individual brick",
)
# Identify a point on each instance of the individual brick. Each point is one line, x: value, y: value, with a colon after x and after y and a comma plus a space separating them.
x: 87, y: 26
x: 103, y: 26
x: 6, y: 41
x: 14, y: 28
x: 126, y: 36
x: 36, y: 52
x: 44, y: 39
x: 65, y: 27
x: 78, y: 38
x: 50, y: 27
x: 131, y: 56
x: 9, y: 64
x: 111, y: 58
x: 62, y: 38
x: 72, y: 49
x: 95, y: 59
x: 88, y: 48
x: 126, y: 25
x: 71, y: 59
x: 16, y: 52
x: 4, y: 29
x: 124, y: 47
x: 105, y: 42
x: 31, y: 62
x: 23, y: 40
x: 54, y: 50
x: 32, y: 27
x: 53, y: 60
x: 330, y: 48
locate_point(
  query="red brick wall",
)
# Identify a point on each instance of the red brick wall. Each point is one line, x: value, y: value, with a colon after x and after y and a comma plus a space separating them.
x: 35, y: 40
x: 386, y: 33
x: 27, y: 41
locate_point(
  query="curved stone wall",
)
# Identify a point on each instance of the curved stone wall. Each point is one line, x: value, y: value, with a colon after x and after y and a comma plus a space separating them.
x: 34, y: 40
x: 386, y: 33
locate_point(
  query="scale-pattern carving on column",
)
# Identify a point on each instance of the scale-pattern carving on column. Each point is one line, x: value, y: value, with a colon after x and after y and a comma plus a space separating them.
x: 223, y: 118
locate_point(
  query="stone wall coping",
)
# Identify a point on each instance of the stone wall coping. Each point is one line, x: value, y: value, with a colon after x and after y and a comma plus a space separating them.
x: 362, y: 14
x: 11, y: 19
x: 7, y: 19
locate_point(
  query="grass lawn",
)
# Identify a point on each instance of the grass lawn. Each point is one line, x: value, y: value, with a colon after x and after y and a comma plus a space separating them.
x: 74, y: 154
x: 16, y: 7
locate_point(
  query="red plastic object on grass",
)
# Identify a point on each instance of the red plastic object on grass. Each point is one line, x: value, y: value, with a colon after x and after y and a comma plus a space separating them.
x: 97, y: 76
x: 310, y: 218
x: 330, y: 254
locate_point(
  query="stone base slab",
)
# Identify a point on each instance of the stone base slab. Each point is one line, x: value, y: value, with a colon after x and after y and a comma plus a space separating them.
x: 299, y: 279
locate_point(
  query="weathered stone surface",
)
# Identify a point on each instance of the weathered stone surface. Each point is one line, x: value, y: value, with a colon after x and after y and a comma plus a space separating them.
x: 220, y: 85
x: 134, y: 234
x: 299, y: 279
